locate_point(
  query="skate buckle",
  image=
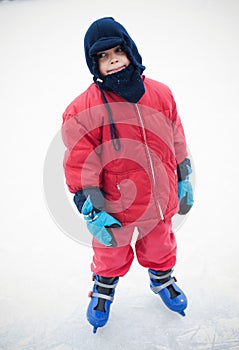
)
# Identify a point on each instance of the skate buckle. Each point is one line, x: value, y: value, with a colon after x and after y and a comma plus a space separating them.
x: 90, y: 294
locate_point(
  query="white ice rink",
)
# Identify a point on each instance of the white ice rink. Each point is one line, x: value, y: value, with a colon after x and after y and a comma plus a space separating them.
x: 193, y: 47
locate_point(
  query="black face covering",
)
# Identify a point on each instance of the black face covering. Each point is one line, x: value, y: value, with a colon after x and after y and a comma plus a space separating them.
x: 127, y: 83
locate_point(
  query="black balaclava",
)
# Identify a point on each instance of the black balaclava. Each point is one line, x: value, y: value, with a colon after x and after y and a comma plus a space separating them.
x: 104, y: 34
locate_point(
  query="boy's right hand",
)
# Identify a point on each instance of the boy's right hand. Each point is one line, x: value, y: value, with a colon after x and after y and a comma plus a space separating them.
x: 100, y: 223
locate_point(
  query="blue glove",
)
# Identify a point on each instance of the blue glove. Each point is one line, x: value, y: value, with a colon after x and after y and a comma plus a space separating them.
x: 99, y: 223
x: 185, y: 194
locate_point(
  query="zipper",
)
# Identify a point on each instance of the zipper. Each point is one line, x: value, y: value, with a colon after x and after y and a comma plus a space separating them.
x: 150, y: 159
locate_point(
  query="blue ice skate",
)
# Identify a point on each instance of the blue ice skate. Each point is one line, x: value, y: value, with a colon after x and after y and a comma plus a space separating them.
x: 101, y: 298
x: 163, y: 284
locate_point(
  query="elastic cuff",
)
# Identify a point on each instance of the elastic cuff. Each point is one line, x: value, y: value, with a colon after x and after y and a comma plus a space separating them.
x: 182, y: 169
x: 96, y: 196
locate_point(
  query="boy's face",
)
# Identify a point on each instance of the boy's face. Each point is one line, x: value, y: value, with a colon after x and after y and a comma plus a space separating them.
x: 112, y: 60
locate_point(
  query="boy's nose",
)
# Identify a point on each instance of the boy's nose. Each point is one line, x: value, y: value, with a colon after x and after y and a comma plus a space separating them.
x: 113, y: 59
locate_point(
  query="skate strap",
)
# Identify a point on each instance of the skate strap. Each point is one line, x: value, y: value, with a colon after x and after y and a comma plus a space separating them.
x: 102, y: 296
x: 157, y: 289
x: 155, y: 277
x: 109, y: 286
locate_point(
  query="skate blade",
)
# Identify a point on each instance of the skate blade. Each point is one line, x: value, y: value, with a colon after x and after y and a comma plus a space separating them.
x: 182, y: 313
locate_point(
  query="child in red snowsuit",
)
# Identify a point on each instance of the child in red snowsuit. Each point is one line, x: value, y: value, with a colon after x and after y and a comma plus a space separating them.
x: 127, y: 165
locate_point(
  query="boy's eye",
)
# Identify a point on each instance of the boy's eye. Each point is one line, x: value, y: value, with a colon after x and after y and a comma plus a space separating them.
x: 101, y: 55
x: 119, y: 49
x: 105, y: 54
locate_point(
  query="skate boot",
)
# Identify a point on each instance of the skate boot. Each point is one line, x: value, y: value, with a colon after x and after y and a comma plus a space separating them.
x: 163, y: 284
x: 101, y: 298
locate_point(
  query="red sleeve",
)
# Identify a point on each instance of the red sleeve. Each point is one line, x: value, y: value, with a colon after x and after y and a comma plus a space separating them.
x: 180, y: 145
x: 82, y: 159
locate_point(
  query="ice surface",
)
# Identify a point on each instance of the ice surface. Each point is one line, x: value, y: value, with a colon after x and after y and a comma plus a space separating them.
x: 45, y: 276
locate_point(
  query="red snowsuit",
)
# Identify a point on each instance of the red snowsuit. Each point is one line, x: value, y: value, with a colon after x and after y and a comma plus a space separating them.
x: 139, y: 181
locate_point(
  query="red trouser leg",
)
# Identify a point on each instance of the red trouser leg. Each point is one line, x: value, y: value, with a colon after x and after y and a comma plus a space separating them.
x: 157, y: 249
x: 111, y: 262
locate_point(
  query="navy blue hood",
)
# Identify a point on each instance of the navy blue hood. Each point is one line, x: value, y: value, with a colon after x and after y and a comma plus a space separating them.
x: 104, y: 34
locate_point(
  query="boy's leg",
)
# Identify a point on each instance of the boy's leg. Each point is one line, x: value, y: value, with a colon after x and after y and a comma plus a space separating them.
x: 157, y: 249
x: 114, y: 261
x: 108, y: 264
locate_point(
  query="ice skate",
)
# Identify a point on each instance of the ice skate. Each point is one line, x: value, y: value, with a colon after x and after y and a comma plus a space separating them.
x: 101, y: 298
x: 163, y: 284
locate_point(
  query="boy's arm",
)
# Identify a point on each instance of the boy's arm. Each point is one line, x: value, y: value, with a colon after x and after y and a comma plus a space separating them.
x: 82, y: 159
x: 180, y: 145
x: 184, y: 169
x: 83, y: 173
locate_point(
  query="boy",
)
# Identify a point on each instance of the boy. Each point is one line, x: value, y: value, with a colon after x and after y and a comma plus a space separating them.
x: 127, y: 165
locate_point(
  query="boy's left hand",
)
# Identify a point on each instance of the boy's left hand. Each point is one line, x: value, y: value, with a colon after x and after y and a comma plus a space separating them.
x: 185, y: 190
x: 185, y: 196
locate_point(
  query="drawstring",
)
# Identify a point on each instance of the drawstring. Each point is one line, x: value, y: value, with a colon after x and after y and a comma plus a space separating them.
x: 113, y: 131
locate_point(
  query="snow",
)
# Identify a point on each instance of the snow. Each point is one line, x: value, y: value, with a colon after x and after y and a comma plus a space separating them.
x: 192, y: 46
